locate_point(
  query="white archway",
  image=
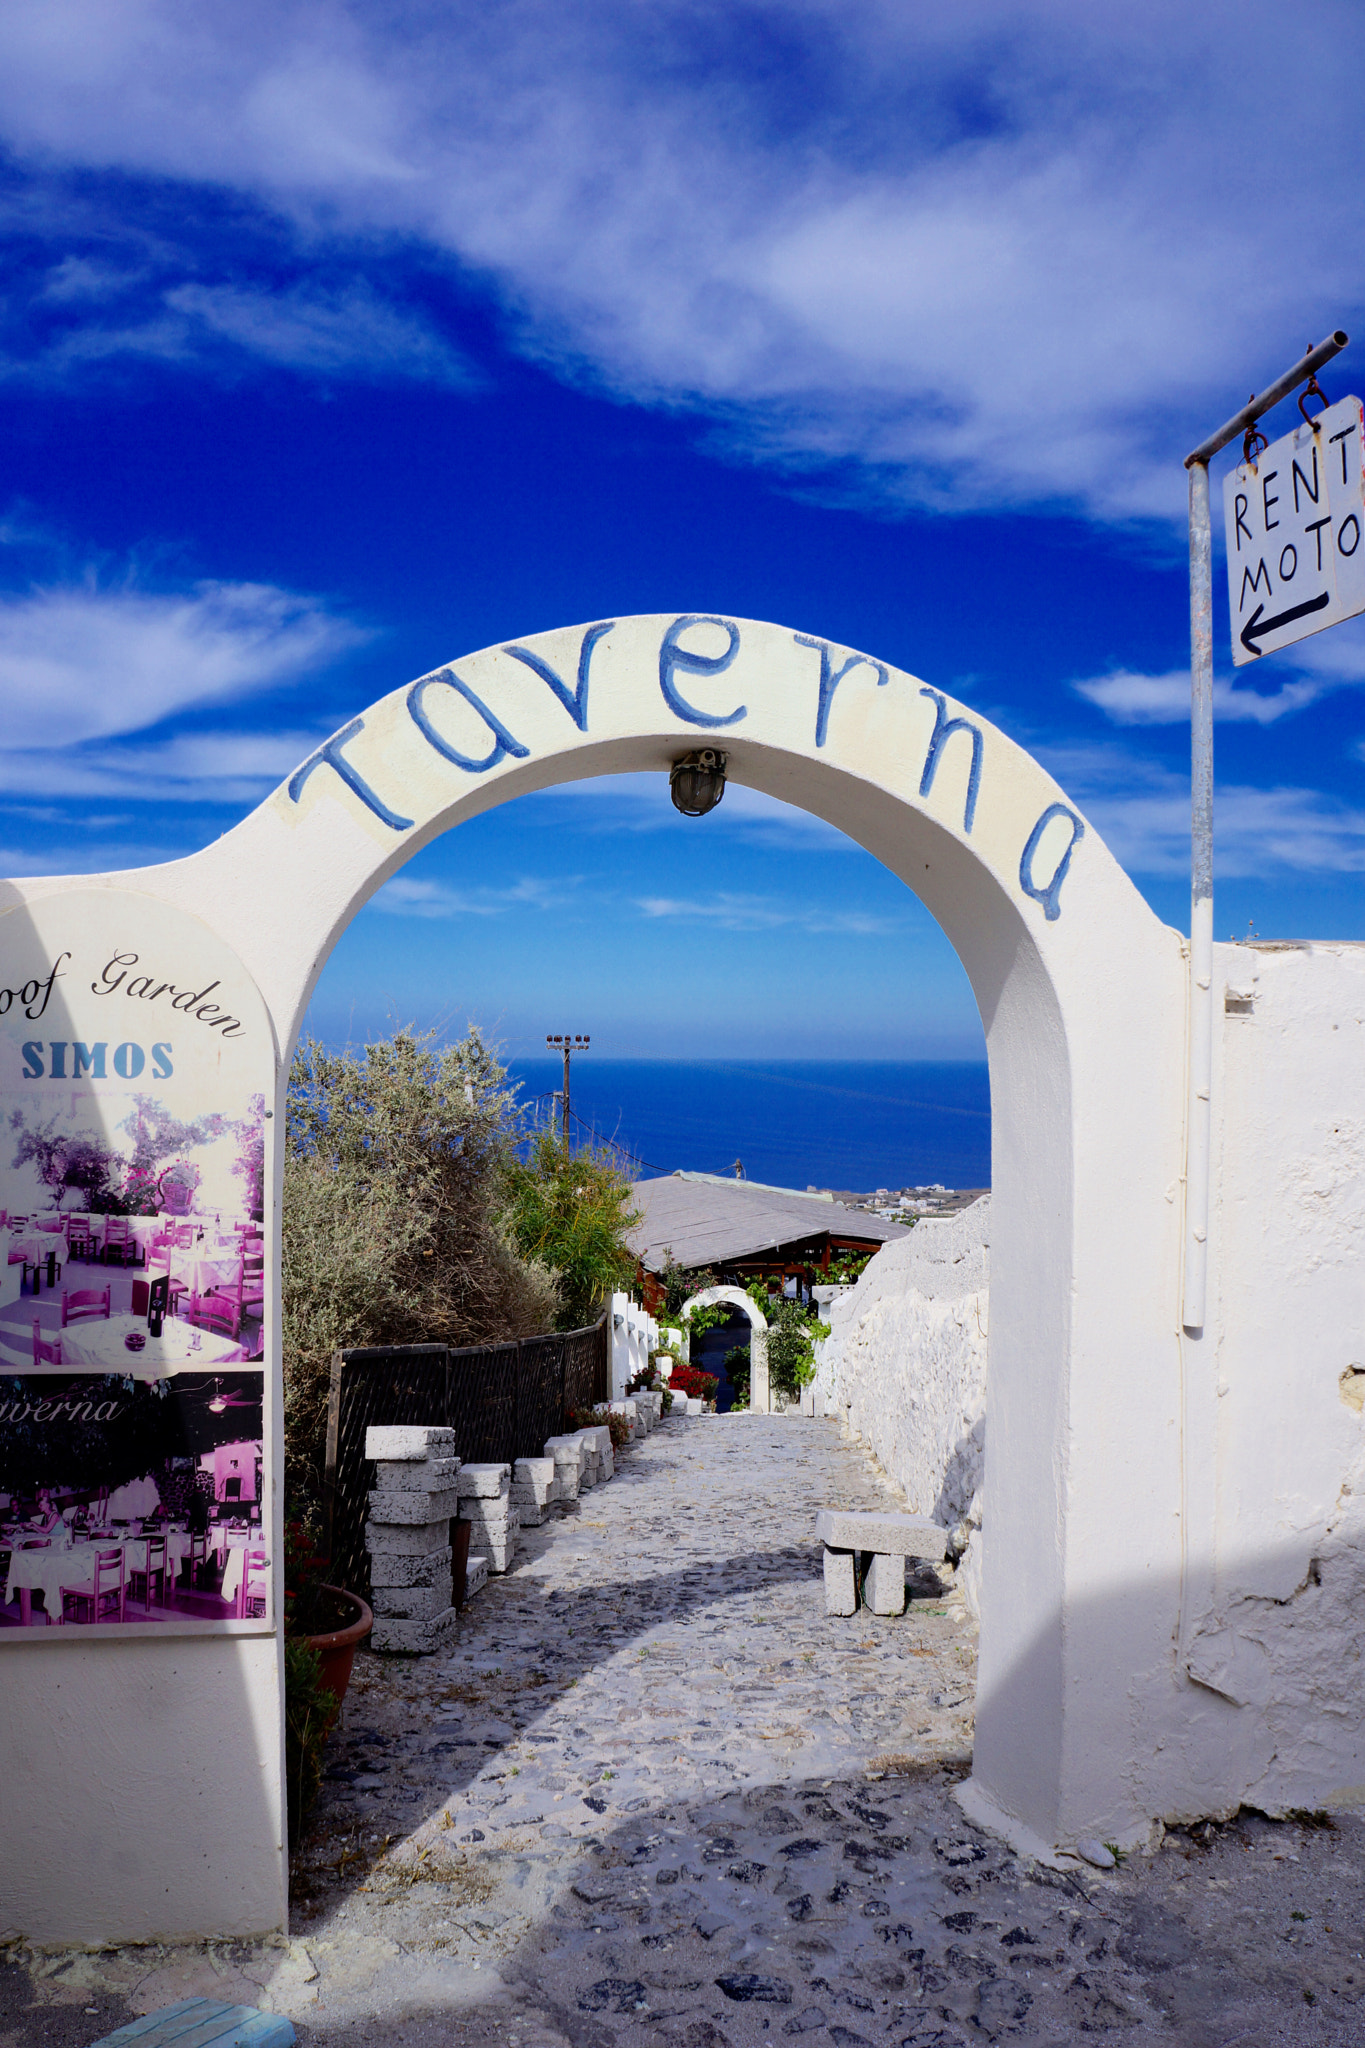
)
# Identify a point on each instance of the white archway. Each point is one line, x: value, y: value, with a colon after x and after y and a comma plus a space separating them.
x: 760, y: 1400
x: 1082, y: 992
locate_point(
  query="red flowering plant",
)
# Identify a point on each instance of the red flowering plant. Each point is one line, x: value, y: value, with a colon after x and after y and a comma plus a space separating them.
x: 309, y: 1606
x: 692, y: 1381
x: 596, y: 1418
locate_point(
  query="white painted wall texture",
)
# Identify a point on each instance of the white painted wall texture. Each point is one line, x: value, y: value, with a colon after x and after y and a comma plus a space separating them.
x: 904, y: 1365
x: 1273, y: 1623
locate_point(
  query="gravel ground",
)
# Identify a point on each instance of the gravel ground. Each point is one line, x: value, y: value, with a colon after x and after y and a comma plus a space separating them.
x: 656, y: 1798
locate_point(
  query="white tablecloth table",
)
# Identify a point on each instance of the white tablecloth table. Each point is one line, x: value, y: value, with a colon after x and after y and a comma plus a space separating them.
x: 34, y: 1245
x: 202, y: 1271
x: 52, y: 1569
x: 96, y: 1345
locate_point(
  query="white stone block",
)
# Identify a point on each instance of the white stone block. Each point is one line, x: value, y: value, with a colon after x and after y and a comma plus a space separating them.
x: 841, y: 1587
x: 483, y: 1482
x: 412, y: 1603
x: 475, y: 1577
x: 408, y: 1441
x: 497, y: 1523
x: 501, y: 1552
x: 395, y: 1569
x: 429, y: 1477
x: 884, y: 1584
x: 533, y: 1480
x: 695, y: 1404
x: 413, y: 1507
x: 417, y: 1638
x: 891, y: 1534
x: 405, y: 1539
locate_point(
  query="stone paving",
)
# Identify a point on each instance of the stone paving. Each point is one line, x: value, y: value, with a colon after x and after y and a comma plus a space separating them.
x: 654, y: 1797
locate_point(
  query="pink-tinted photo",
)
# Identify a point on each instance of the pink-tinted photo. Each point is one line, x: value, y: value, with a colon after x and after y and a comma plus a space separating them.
x: 132, y: 1502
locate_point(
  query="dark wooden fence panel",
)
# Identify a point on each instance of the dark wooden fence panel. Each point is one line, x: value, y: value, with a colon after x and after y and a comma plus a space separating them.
x: 502, y: 1401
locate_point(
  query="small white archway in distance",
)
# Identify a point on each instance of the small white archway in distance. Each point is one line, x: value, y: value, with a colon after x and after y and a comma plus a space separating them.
x: 735, y: 1297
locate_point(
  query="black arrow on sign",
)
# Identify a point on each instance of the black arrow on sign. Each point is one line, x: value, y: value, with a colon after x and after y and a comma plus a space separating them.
x: 1256, y: 627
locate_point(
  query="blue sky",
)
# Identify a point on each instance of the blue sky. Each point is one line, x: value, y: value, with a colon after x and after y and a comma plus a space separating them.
x: 340, y: 340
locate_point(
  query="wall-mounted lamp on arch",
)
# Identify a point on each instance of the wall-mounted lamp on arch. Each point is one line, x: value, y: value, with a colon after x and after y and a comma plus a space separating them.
x: 696, y: 783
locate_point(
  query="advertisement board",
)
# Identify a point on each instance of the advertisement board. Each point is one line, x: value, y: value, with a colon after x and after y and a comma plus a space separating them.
x: 137, y: 1076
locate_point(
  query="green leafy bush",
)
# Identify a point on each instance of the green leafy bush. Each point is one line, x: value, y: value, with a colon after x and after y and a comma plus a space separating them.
x: 792, y: 1331
x: 395, y: 1176
x: 569, y: 1211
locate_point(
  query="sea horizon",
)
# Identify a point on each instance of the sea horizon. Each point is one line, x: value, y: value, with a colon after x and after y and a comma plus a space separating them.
x: 847, y: 1125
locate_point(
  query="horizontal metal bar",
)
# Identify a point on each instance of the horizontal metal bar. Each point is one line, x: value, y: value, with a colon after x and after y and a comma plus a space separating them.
x: 1273, y: 393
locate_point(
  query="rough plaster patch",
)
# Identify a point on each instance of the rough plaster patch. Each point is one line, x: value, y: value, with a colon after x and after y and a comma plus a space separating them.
x: 1322, y: 1198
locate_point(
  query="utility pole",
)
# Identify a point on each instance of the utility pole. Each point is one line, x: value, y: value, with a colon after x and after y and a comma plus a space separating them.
x: 569, y: 1043
x: 1198, y: 1124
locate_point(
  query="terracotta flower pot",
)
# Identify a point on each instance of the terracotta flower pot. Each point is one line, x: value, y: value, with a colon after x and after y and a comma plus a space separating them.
x: 337, y: 1650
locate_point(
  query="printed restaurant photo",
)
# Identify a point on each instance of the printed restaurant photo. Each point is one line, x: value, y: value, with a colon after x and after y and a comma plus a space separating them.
x: 126, y: 1501
x: 133, y: 1243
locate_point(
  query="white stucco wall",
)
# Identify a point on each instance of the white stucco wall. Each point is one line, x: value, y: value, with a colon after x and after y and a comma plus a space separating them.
x: 1273, y: 1618
x: 904, y: 1366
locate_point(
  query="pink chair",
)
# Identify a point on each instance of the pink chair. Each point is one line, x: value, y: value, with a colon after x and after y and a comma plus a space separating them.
x: 79, y: 1242
x: 159, y: 1264
x: 220, y: 1308
x: 140, y: 1580
x: 252, y: 1289
x: 86, y: 1301
x: 45, y: 1354
x: 251, y: 1594
x: 120, y: 1245
x: 105, y: 1599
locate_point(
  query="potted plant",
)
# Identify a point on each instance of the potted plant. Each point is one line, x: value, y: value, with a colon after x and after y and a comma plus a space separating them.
x: 330, y: 1620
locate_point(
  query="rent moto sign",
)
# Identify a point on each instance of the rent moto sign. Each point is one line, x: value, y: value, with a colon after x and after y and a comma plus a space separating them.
x: 1295, y: 518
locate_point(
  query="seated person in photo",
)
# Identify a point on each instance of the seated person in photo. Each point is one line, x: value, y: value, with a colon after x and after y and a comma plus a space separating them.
x: 45, y: 1516
x: 197, y: 1514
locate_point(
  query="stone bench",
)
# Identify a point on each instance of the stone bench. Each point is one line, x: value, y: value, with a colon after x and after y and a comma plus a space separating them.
x: 887, y: 1539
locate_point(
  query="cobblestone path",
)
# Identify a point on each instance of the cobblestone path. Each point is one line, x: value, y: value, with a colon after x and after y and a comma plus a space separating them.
x: 656, y: 1798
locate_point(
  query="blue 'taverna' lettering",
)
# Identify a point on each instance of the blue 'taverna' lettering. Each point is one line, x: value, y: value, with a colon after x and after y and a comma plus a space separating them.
x: 576, y: 704
x: 944, y: 728
x: 1049, y: 894
x: 830, y: 679
x: 331, y: 756
x: 503, y: 742
x: 672, y: 657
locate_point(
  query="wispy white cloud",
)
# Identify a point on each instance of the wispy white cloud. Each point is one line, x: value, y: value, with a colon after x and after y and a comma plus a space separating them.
x: 413, y: 896
x: 224, y: 767
x: 80, y: 663
x: 734, y: 911
x: 989, y: 256
x: 1129, y: 698
x: 323, y: 332
x: 641, y: 803
x: 1259, y: 693
x: 1142, y: 811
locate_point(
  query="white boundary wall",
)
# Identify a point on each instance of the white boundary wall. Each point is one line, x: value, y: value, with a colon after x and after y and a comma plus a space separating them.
x: 904, y: 1365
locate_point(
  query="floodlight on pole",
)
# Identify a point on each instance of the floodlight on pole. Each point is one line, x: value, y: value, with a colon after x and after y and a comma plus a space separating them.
x: 568, y: 1043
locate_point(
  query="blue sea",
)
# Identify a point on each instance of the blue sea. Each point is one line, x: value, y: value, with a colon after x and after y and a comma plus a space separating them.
x: 854, y: 1125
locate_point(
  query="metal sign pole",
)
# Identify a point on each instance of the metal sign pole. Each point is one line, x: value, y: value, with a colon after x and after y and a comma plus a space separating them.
x: 1198, y: 1128
x: 1198, y: 1121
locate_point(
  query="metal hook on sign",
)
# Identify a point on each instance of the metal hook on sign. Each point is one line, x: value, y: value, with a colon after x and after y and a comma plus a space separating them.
x: 1312, y: 389
x: 1254, y: 442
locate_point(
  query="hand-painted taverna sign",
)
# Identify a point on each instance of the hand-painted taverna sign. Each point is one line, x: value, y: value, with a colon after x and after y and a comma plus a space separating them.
x: 469, y: 718
x: 1156, y: 1499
